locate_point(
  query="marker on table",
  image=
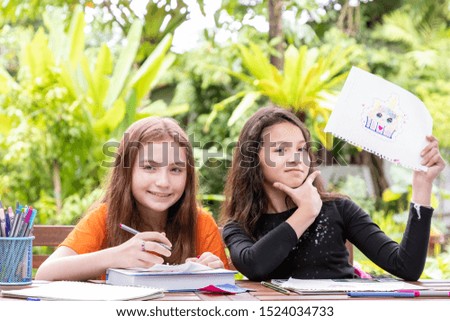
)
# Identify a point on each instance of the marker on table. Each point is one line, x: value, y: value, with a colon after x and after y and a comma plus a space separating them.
x: 379, y: 294
x: 133, y: 231
x: 275, y: 287
x: 427, y: 293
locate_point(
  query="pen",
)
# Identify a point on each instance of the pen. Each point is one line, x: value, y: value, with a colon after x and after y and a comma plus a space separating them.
x: 26, y: 221
x: 2, y: 223
x: 30, y: 224
x: 427, y: 293
x: 275, y: 287
x: 133, y: 231
x: 8, y: 216
x: 17, y: 219
x: 375, y: 294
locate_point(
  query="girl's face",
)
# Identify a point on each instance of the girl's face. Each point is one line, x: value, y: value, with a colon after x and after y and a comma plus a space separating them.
x: 159, y: 176
x: 283, y: 156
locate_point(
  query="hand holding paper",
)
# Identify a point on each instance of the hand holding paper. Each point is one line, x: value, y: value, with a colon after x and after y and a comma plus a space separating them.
x: 382, y: 118
x: 422, y: 184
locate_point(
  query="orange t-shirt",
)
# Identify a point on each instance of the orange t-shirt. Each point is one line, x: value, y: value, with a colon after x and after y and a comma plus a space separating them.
x: 89, y: 234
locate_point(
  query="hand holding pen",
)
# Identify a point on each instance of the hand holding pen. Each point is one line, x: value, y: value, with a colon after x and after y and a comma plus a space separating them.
x: 145, y: 248
x: 133, y: 231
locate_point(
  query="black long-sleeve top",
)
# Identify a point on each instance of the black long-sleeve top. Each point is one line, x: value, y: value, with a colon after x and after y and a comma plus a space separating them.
x: 320, y: 253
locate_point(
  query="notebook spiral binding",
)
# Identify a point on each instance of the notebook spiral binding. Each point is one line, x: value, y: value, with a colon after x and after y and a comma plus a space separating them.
x: 395, y: 161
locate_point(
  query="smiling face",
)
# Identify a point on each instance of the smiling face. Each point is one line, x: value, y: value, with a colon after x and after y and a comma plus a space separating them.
x: 283, y: 156
x: 159, y: 177
x: 385, y: 117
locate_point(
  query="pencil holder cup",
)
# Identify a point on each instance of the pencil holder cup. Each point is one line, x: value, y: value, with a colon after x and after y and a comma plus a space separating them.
x: 16, y: 260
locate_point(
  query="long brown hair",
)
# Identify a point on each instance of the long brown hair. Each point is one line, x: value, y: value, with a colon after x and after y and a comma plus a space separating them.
x: 121, y: 204
x: 245, y: 199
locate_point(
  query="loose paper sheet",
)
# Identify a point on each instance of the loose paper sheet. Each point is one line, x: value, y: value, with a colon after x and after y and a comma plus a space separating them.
x: 345, y: 285
x: 382, y: 118
x: 181, y: 268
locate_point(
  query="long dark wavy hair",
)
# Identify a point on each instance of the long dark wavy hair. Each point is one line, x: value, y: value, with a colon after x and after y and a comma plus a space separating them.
x: 121, y: 204
x: 245, y: 199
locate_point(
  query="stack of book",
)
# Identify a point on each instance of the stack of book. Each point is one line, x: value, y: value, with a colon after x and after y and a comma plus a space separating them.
x: 189, y: 276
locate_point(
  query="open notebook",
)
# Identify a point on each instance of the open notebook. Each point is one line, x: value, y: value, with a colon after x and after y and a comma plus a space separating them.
x: 382, y: 118
x: 344, y: 285
x: 84, y: 291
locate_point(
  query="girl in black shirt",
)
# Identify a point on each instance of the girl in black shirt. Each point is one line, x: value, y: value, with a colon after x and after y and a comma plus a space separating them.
x: 281, y: 223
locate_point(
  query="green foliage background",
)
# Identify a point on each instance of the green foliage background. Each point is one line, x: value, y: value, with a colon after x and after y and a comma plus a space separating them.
x: 74, y: 74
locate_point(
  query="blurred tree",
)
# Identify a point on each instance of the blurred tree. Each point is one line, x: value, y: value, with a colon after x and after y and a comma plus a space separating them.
x: 418, y: 38
x: 64, y: 103
x: 30, y: 12
x: 109, y: 18
x: 307, y: 84
x: 159, y: 18
x: 276, y: 31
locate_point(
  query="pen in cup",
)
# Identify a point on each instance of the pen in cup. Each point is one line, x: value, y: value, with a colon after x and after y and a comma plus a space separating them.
x: 133, y: 231
x: 275, y: 287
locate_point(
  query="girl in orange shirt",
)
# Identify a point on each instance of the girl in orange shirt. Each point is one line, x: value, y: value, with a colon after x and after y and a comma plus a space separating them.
x: 152, y: 188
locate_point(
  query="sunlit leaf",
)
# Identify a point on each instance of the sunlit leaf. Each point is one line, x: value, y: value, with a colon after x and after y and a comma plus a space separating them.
x: 146, y: 75
x: 124, y: 63
x: 243, y: 106
x: 112, y: 118
x: 389, y: 195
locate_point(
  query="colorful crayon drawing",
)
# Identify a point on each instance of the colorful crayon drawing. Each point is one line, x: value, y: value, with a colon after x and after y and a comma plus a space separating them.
x: 384, y: 117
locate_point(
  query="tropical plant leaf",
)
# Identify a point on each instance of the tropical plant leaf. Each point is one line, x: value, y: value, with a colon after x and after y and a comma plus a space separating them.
x: 389, y: 195
x: 124, y: 63
x: 112, y: 118
x: 160, y: 108
x: 243, y: 106
x: 220, y: 106
x: 308, y: 82
x: 103, y: 65
x: 239, y: 75
x: 212, y: 197
x: 37, y: 55
x: 102, y: 70
x: 76, y: 37
x: 148, y: 72
x: 5, y: 81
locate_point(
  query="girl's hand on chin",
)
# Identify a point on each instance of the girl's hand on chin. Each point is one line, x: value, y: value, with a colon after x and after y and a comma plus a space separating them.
x: 306, y: 196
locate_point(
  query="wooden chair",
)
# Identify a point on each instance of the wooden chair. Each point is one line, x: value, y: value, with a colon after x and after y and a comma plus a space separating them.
x: 349, y: 247
x: 48, y: 235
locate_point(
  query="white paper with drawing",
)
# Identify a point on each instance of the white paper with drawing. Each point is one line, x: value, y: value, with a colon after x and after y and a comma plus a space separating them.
x: 382, y: 118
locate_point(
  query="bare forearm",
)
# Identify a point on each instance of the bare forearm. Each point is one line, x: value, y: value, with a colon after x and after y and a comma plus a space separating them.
x: 76, y: 267
x: 300, y: 222
x: 421, y: 190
